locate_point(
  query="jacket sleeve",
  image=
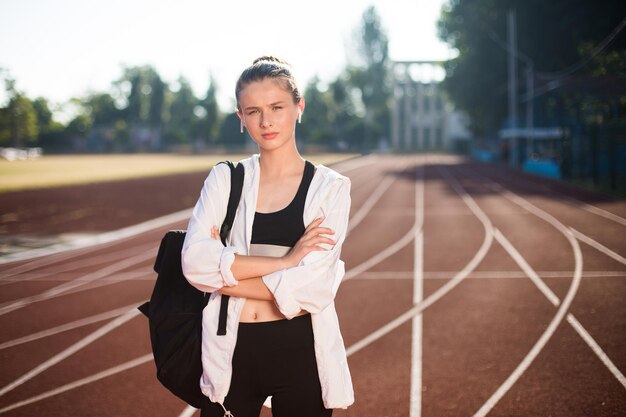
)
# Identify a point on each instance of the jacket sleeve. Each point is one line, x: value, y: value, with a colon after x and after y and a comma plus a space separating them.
x: 312, y: 285
x: 205, y: 261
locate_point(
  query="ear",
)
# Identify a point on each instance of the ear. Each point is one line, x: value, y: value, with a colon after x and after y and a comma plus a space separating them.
x: 301, y: 105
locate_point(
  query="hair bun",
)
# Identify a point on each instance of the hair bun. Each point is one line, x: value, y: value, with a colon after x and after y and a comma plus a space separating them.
x: 270, y: 58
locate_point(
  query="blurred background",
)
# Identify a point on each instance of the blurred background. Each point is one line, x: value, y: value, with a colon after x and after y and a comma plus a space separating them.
x: 537, y: 85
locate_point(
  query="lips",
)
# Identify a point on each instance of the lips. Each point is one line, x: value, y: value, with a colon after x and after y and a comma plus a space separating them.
x: 270, y: 135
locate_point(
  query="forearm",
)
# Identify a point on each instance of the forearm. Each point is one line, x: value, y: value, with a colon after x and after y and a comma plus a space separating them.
x: 252, y: 288
x: 247, y: 267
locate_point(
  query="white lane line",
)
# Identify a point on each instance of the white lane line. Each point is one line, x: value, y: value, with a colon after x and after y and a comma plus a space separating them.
x: 382, y: 255
x: 354, y: 163
x: 103, y: 282
x: 367, y: 206
x: 597, y: 349
x: 418, y: 296
x: 188, y: 411
x: 102, y: 238
x: 549, y: 294
x: 77, y: 264
x: 139, y: 274
x: 55, y: 263
x: 444, y: 289
x: 589, y: 241
x: 66, y: 287
x: 445, y: 275
x: 561, y: 312
x: 70, y: 350
x: 528, y: 270
x: 130, y: 231
x: 90, y: 379
x: 573, y: 201
x: 79, y: 383
x: 428, y: 301
x: 42, y: 262
x: 69, y: 326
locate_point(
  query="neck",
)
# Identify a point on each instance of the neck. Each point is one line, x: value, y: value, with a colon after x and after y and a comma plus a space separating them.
x: 280, y: 161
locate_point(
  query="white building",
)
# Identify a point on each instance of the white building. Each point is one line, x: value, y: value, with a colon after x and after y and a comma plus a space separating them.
x: 422, y: 119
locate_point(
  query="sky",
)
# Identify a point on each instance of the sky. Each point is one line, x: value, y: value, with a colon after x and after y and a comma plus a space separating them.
x: 67, y: 48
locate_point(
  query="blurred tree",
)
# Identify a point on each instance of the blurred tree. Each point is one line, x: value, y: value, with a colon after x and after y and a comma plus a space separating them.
x: 209, y: 116
x: 102, y: 109
x: 182, y: 119
x: 556, y: 36
x: 316, y: 127
x: 18, y: 121
x: 145, y: 95
x: 79, y: 126
x: 371, y: 76
x: 229, y: 132
x: 142, y: 95
x: 347, y: 122
x: 50, y: 131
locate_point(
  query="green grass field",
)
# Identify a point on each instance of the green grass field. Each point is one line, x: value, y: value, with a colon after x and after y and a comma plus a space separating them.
x: 59, y: 170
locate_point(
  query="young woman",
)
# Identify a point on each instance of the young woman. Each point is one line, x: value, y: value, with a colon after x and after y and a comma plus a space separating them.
x: 281, y: 266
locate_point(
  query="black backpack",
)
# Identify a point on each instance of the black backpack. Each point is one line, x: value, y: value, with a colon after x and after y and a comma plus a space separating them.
x: 175, y: 310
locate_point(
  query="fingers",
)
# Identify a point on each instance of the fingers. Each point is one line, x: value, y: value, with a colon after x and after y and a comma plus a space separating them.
x: 215, y: 233
x: 314, y: 224
x: 316, y: 239
x: 314, y: 229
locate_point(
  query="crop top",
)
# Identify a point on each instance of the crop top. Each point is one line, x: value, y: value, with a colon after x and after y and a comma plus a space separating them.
x: 273, y: 234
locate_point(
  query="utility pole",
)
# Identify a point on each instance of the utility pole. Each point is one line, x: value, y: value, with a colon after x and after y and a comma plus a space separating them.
x: 530, y: 100
x: 512, y: 71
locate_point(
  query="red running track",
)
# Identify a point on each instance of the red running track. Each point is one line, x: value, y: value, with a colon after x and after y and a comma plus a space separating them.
x: 471, y: 290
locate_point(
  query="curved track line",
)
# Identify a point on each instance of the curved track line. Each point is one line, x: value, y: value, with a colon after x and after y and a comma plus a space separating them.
x: 70, y: 350
x: 79, y: 383
x: 589, y: 241
x: 561, y: 312
x: 131, y: 231
x: 66, y: 287
x: 381, y: 256
x: 69, y: 326
x: 448, y: 286
x: 188, y: 411
x: 114, y: 256
x: 549, y: 294
x: 117, y: 369
x: 573, y: 201
x: 370, y: 202
x: 106, y: 237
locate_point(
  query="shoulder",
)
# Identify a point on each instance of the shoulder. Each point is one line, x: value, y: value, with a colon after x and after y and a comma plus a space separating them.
x: 330, y: 176
x: 329, y: 185
x: 221, y: 170
x: 249, y: 163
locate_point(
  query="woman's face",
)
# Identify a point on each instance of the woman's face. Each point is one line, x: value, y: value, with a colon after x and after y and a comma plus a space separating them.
x: 269, y: 113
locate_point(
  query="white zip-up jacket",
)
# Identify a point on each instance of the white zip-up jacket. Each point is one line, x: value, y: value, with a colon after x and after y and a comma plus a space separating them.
x: 310, y: 286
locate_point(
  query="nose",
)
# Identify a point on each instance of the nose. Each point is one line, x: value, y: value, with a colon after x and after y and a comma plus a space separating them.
x: 265, y: 121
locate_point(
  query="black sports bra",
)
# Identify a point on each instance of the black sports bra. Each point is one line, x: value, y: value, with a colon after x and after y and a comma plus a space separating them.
x: 284, y: 227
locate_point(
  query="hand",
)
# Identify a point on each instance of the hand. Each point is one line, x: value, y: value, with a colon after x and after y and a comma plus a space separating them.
x: 311, y: 239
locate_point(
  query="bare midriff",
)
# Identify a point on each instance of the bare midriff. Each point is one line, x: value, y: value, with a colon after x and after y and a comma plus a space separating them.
x: 261, y: 310
x: 264, y: 310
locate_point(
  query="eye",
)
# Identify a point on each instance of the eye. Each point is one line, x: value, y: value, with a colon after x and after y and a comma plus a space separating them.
x: 277, y: 108
x: 251, y: 112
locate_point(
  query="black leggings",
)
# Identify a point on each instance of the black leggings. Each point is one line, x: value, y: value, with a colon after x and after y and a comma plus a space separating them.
x: 277, y: 359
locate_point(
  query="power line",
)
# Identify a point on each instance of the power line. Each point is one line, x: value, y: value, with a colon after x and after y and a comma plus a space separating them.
x: 580, y: 64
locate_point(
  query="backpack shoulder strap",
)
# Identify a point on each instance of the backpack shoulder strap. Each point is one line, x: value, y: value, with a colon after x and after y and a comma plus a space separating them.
x: 237, y: 174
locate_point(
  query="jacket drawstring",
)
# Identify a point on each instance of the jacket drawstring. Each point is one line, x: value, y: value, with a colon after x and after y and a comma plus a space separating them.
x: 226, y: 412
